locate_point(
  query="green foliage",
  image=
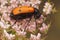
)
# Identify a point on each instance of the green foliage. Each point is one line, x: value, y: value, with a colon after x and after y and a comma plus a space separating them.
x: 11, y: 31
x: 54, y: 10
x: 0, y: 14
x: 20, y: 38
x: 28, y: 34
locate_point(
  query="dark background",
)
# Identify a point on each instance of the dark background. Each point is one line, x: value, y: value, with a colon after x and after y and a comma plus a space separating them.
x: 54, y: 31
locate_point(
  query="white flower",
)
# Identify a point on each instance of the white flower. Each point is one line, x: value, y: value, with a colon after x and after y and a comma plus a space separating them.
x: 31, y: 27
x: 38, y: 36
x: 18, y: 31
x: 44, y: 27
x: 47, y: 8
x: 3, y: 2
x: 12, y: 22
x: 22, y: 1
x: 3, y: 24
x: 3, y: 9
x: 34, y: 37
x: 11, y: 1
x: 21, y: 33
x: 6, y: 17
x: 2, y: 20
x: 39, y: 21
x: 26, y: 3
x: 35, y: 3
x: 8, y: 36
x: 16, y: 27
x: 13, y: 5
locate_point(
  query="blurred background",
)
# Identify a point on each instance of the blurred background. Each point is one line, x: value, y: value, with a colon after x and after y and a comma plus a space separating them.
x: 54, y: 31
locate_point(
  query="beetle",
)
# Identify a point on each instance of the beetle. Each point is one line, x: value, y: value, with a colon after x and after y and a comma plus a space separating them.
x: 25, y: 12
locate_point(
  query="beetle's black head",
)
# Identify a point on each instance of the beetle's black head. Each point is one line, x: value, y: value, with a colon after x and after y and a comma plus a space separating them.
x: 37, y: 14
x: 12, y: 16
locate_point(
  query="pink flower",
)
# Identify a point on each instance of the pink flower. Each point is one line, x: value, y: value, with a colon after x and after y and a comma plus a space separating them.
x: 31, y: 27
x: 40, y: 20
x: 6, y: 17
x: 16, y: 27
x: 9, y: 9
x: 12, y: 21
x: 26, y: 3
x: 22, y: 23
x: 21, y: 33
x: 35, y: 3
x: 34, y: 37
x: 3, y: 24
x: 14, y: 5
x: 8, y: 36
x: 12, y: 1
x: 44, y: 28
x: 47, y: 8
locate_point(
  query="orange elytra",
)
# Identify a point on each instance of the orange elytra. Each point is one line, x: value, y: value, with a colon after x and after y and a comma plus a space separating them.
x: 23, y: 9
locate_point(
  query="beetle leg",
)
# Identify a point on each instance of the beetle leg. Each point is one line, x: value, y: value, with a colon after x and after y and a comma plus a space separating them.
x: 28, y: 22
x: 35, y: 20
x: 14, y: 23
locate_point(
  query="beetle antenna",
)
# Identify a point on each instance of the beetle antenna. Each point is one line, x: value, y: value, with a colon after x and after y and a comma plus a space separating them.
x: 14, y: 23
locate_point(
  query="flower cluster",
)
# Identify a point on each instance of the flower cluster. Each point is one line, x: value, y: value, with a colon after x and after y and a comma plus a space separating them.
x: 29, y: 30
x: 47, y: 8
x: 34, y: 37
x: 9, y: 36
